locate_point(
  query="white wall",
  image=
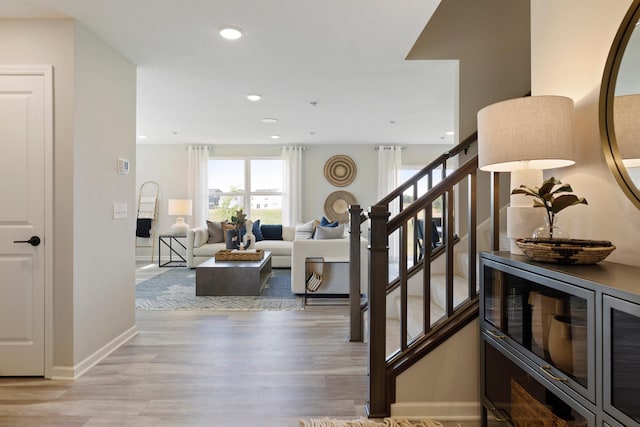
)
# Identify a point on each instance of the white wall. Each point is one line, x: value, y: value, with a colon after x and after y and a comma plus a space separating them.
x: 105, y: 130
x: 416, y: 396
x: 167, y: 165
x: 87, y: 314
x: 570, y: 43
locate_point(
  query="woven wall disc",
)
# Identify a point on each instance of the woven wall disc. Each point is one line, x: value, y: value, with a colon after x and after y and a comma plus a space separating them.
x: 340, y: 170
x: 336, y: 206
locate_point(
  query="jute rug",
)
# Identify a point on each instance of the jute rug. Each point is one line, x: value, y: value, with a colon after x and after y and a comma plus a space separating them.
x: 363, y: 422
x: 175, y: 289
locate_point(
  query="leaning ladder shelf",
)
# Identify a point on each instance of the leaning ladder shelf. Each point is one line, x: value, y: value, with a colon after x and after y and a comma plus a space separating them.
x: 147, y: 214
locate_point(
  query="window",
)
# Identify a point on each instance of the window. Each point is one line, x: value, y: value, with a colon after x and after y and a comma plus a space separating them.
x: 406, y: 172
x: 254, y: 185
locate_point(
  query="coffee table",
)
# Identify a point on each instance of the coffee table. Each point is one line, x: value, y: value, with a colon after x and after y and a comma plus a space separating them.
x: 236, y: 278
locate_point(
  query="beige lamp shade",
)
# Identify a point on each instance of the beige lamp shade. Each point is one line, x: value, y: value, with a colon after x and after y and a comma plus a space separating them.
x: 180, y: 208
x: 626, y: 126
x: 534, y: 132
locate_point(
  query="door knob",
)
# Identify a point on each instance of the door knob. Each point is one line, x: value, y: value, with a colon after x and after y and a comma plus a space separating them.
x: 33, y: 241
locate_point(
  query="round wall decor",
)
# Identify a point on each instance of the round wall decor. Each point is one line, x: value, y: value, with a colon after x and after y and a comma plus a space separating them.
x: 336, y: 206
x: 340, y: 170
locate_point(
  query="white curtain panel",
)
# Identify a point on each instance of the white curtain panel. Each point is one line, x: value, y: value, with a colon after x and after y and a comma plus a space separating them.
x: 198, y: 179
x: 292, y: 186
x: 389, y: 162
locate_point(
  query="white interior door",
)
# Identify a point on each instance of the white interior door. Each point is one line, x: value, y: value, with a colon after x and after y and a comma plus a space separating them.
x: 23, y: 145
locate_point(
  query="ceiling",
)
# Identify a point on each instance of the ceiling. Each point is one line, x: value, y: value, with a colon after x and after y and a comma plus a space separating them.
x: 330, y: 72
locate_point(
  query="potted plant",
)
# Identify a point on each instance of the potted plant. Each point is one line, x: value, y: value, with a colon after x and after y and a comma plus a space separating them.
x: 551, y: 195
x: 238, y: 221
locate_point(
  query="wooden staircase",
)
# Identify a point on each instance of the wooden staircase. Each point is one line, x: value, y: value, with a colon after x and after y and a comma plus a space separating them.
x: 415, y: 302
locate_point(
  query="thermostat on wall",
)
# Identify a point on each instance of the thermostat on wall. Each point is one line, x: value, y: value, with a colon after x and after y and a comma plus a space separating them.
x: 123, y: 166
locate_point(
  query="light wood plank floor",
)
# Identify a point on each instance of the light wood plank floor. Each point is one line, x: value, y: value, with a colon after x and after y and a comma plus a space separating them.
x: 207, y: 368
x: 204, y: 368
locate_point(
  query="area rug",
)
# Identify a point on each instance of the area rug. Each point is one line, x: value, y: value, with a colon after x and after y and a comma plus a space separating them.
x: 363, y: 422
x: 175, y: 289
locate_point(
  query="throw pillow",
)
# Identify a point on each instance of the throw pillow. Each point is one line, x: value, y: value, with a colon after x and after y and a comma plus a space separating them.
x: 305, y: 231
x: 216, y: 235
x: 324, y: 222
x: 257, y: 232
x: 271, y: 231
x: 326, y: 233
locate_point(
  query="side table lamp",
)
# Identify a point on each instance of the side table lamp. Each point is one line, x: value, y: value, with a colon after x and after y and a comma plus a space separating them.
x: 180, y: 208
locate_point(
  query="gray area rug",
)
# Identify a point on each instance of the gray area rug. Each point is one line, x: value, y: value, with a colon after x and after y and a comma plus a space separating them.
x: 175, y: 289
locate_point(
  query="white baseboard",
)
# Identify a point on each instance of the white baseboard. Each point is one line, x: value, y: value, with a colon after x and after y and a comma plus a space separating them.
x: 441, y: 411
x: 145, y: 258
x: 72, y: 373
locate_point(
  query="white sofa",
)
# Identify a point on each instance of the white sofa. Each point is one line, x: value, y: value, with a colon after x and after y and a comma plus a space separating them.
x: 286, y: 253
x: 198, y: 250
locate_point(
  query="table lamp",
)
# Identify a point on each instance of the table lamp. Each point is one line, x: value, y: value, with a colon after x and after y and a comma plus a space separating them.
x: 180, y: 208
x: 626, y: 127
x: 524, y: 136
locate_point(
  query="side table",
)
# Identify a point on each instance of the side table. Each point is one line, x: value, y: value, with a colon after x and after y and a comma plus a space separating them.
x: 334, y: 289
x: 173, y: 242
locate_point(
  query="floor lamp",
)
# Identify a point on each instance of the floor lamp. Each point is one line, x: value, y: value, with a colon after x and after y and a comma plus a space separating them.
x: 524, y: 136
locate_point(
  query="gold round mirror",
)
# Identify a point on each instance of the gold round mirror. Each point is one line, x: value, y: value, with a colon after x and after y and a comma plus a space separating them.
x: 620, y: 105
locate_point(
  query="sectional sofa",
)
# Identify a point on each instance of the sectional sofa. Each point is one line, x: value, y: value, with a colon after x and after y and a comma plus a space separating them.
x: 290, y: 252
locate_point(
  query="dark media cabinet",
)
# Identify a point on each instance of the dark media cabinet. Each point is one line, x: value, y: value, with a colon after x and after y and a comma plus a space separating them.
x: 560, y: 345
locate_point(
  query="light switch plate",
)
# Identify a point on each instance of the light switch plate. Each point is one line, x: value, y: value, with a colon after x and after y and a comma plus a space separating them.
x: 119, y: 210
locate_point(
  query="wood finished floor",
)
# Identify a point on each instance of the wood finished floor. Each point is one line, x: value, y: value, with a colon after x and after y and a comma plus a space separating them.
x: 204, y: 368
x: 207, y: 368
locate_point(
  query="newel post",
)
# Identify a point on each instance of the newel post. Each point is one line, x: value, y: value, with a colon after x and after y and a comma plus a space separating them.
x: 355, y: 263
x: 378, y: 279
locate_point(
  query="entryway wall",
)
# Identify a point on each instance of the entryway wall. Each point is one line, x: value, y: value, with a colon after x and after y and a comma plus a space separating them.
x: 94, y: 125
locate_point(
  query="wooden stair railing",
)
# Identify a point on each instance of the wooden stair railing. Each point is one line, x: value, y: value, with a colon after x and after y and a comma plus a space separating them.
x: 384, y: 370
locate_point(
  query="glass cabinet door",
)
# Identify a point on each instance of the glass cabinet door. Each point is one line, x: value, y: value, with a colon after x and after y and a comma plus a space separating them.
x: 552, y: 320
x: 621, y: 359
x: 516, y: 396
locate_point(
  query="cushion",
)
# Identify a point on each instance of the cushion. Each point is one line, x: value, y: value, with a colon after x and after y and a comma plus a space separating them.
x: 271, y: 231
x: 256, y: 230
x: 216, y: 235
x: 200, y: 237
x: 326, y: 233
x: 277, y: 247
x: 305, y: 231
x: 326, y: 223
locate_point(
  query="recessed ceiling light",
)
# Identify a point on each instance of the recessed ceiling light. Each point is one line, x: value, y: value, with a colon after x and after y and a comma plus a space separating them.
x: 269, y: 120
x: 275, y: 136
x: 450, y: 133
x: 254, y: 97
x: 142, y: 136
x: 230, y: 32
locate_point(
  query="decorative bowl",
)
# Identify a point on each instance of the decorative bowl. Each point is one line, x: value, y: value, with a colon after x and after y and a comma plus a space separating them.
x: 566, y: 251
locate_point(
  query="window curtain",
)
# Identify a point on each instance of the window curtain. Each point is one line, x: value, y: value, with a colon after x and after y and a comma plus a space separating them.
x: 292, y: 186
x: 198, y: 179
x: 389, y: 162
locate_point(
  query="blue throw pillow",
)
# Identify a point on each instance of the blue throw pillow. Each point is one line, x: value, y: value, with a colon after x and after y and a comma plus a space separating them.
x: 271, y: 231
x: 257, y: 232
x: 324, y: 222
